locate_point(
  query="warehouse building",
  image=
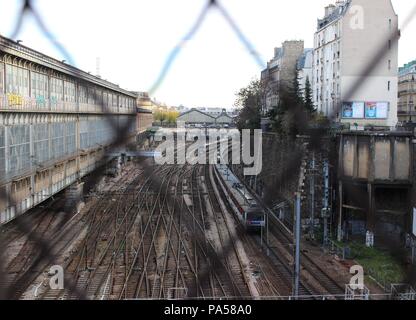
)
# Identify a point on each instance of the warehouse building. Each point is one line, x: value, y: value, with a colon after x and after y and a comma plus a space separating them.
x: 56, y: 123
x: 197, y: 117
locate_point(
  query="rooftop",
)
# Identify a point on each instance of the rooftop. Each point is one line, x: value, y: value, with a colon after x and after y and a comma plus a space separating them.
x: 305, y: 60
x: 13, y: 48
x: 333, y: 12
x: 408, y: 68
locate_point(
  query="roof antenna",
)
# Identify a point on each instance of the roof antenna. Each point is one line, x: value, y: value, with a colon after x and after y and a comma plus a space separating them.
x: 98, y: 67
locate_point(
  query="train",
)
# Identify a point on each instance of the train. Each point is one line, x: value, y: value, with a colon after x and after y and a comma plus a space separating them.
x: 250, y: 213
x: 254, y: 218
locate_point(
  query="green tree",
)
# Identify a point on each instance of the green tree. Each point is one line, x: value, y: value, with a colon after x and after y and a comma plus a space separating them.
x: 308, y: 102
x: 249, y: 102
x: 291, y: 116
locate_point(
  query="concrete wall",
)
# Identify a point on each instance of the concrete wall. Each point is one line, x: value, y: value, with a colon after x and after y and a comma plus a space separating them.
x: 144, y: 121
x: 376, y: 158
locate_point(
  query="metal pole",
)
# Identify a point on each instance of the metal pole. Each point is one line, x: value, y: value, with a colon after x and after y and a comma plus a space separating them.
x: 312, y: 186
x: 261, y: 236
x: 341, y: 203
x: 267, y: 232
x: 326, y: 201
x: 297, y: 247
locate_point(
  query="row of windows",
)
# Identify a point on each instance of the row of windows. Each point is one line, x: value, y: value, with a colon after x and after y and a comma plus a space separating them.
x: 51, y: 141
x: 15, y: 80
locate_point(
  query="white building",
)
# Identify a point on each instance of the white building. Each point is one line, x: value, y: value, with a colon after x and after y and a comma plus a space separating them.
x: 305, y: 69
x: 348, y: 38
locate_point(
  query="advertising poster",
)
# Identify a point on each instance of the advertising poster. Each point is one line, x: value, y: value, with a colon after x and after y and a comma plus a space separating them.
x: 353, y: 110
x: 376, y: 110
x: 382, y: 110
x: 371, y: 110
x: 358, y: 110
x: 347, y: 110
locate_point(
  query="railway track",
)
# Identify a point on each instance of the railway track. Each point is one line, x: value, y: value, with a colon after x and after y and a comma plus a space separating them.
x: 330, y: 285
x: 273, y: 271
x: 85, y: 267
x: 174, y: 241
x: 234, y: 261
x: 283, y: 240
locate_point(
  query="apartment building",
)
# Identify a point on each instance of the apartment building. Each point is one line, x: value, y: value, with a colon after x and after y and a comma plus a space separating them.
x: 407, y: 93
x: 305, y: 69
x: 280, y: 73
x: 348, y: 37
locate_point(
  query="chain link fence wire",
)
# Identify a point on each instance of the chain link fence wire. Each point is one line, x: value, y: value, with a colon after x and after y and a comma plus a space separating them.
x: 46, y: 254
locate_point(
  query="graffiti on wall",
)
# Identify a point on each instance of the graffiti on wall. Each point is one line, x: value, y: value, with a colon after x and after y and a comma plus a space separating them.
x: 14, y: 99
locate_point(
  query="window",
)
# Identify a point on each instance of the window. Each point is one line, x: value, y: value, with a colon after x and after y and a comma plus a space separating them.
x: 2, y: 152
x: 1, y: 77
x: 19, y: 148
x: 41, y: 143
x: 70, y: 139
x: 82, y: 94
x: 114, y: 101
x: 57, y: 139
x: 389, y: 64
x: 390, y: 24
x: 39, y: 89
x: 98, y: 96
x: 105, y: 99
x: 56, y: 86
x: 69, y: 91
x: 91, y: 98
x: 110, y: 100
x: 388, y: 85
x: 17, y: 80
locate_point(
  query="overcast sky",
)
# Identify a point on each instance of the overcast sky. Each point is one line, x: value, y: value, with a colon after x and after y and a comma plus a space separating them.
x: 133, y: 38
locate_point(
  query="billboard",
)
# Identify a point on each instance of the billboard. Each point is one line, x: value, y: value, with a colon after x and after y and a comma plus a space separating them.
x: 376, y: 110
x: 365, y: 110
x: 353, y: 110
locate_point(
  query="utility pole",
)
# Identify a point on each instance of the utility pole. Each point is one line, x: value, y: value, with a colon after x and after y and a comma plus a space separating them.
x: 326, y: 201
x: 312, y: 191
x: 267, y: 232
x: 297, y: 247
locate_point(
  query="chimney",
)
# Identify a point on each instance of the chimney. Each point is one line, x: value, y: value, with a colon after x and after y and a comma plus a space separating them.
x: 339, y: 3
x: 329, y: 10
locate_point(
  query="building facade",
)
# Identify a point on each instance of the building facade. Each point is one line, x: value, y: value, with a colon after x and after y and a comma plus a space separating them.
x: 407, y: 93
x: 144, y: 120
x: 56, y: 123
x: 348, y: 38
x: 280, y: 73
x: 305, y: 69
